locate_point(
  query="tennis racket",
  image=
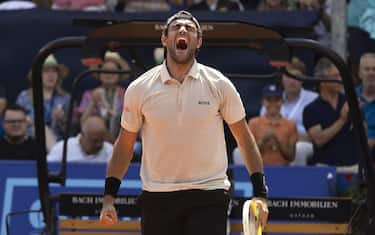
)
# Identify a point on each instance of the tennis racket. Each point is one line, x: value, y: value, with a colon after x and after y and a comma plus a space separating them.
x: 250, y: 218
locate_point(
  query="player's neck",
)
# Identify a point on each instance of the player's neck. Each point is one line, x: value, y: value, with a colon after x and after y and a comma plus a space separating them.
x: 178, y: 71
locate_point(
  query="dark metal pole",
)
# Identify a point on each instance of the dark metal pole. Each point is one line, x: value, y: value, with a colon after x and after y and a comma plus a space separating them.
x: 42, y: 171
x: 61, y: 177
x: 355, y: 114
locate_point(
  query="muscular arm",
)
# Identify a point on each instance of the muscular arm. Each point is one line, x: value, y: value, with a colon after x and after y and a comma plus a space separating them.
x: 247, y: 145
x: 121, y: 157
x: 252, y: 160
x: 322, y: 136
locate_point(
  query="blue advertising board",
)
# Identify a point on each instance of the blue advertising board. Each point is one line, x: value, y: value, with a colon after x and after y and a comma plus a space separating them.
x: 20, y: 191
x: 289, y: 181
x: 19, y: 185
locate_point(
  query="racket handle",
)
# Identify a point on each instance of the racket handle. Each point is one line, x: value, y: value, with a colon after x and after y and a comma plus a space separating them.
x: 255, y: 211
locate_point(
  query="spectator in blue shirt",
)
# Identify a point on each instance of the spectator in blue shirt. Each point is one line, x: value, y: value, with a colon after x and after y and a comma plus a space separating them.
x: 366, y: 22
x: 56, y: 100
x: 356, y: 8
x: 366, y: 92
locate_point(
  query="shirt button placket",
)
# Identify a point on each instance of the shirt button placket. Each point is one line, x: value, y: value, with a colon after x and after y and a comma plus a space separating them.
x: 180, y: 103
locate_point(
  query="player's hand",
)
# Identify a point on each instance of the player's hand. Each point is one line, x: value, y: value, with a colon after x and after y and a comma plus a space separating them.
x: 108, y: 214
x: 263, y: 210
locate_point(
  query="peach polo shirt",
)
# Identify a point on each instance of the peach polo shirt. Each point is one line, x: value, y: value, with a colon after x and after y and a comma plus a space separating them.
x: 182, y: 127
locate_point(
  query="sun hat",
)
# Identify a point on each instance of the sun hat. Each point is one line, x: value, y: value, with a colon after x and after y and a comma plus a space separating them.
x: 51, y: 62
x: 62, y: 69
x: 116, y: 58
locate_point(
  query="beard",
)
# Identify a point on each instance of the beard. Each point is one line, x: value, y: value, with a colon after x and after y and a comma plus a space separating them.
x: 17, y: 138
x: 184, y: 59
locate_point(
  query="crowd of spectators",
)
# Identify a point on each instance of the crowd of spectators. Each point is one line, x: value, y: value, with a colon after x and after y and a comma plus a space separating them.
x: 288, y: 129
x: 323, y: 121
x: 106, y: 100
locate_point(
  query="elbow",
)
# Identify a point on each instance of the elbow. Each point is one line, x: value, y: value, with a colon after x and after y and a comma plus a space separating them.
x: 318, y: 140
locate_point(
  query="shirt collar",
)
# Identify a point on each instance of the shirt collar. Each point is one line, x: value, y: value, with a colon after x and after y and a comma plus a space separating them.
x: 363, y: 99
x: 165, y: 76
x: 300, y: 94
x: 358, y: 91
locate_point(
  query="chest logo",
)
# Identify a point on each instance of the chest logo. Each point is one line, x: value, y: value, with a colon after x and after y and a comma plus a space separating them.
x: 202, y: 102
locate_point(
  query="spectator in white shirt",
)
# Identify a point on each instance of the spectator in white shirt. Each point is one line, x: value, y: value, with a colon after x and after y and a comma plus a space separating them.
x: 88, y: 146
x: 17, y: 5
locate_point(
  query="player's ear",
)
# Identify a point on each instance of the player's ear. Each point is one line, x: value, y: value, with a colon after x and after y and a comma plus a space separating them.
x: 199, y: 43
x: 164, y: 40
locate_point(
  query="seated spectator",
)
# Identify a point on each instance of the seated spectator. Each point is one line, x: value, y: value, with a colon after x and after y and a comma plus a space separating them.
x: 3, y: 99
x: 146, y: 5
x: 327, y: 122
x: 43, y: 3
x: 217, y: 5
x: 107, y: 99
x: 356, y: 8
x: 88, y: 146
x: 295, y: 98
x: 84, y: 5
x: 56, y: 100
x: 16, y: 144
x: 250, y: 4
x: 3, y: 103
x: 17, y: 5
x: 275, y: 135
x: 366, y: 92
x: 323, y: 27
x: 273, y: 5
x: 366, y: 21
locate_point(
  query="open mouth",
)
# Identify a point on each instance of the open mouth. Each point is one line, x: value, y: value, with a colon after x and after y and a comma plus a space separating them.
x: 181, y: 44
